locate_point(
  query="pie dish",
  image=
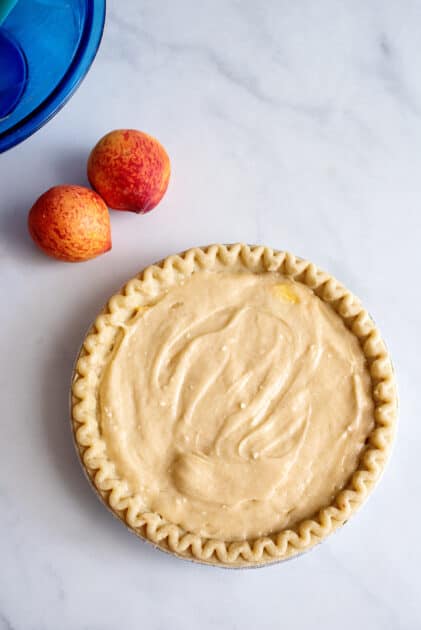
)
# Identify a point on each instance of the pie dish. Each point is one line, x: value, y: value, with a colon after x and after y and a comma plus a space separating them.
x: 233, y: 405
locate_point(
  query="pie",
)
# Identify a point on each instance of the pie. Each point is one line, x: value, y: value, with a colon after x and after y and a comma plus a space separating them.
x: 233, y: 405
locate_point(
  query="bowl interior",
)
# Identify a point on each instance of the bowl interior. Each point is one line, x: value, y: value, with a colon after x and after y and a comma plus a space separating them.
x: 58, y: 41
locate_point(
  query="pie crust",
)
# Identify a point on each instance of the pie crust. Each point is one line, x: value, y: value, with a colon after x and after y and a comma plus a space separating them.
x: 115, y: 491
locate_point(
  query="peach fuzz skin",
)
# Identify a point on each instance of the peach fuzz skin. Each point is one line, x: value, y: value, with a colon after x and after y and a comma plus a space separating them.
x: 130, y: 170
x: 70, y: 223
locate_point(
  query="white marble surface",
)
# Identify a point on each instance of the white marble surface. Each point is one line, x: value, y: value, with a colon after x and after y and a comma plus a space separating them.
x: 294, y: 124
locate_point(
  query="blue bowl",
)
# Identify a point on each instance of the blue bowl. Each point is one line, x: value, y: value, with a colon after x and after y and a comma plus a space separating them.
x: 55, y: 44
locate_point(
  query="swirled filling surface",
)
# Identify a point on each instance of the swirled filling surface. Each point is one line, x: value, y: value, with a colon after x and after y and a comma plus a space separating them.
x: 236, y: 405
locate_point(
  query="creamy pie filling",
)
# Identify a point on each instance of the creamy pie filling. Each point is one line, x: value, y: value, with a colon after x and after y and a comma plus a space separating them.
x: 236, y: 405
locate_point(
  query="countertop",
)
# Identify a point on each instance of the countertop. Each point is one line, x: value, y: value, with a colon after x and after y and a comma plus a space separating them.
x: 292, y: 124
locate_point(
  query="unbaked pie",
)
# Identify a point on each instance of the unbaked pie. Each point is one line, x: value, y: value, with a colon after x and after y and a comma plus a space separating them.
x: 233, y: 405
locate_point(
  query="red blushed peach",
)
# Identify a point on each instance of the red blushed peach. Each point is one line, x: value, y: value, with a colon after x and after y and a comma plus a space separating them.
x: 130, y: 170
x: 70, y: 223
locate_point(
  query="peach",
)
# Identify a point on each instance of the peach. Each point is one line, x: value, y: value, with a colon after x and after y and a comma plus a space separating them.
x: 130, y: 170
x: 71, y: 223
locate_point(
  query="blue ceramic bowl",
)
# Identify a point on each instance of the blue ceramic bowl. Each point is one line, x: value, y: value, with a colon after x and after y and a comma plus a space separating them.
x: 55, y: 43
